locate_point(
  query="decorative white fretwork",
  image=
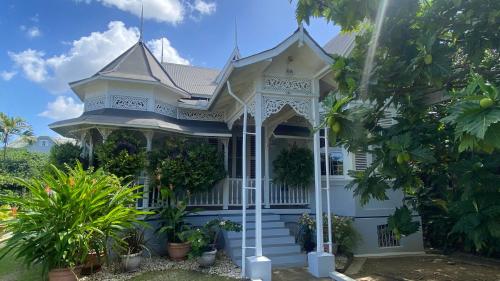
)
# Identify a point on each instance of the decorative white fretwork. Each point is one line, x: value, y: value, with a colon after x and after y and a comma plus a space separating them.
x: 200, y: 115
x: 251, y: 108
x: 273, y: 104
x: 127, y: 102
x: 288, y: 84
x: 94, y: 103
x: 165, y: 109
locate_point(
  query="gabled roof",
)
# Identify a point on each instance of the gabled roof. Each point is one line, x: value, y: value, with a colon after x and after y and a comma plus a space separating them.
x: 137, y: 63
x: 300, y: 35
x: 341, y: 45
x: 198, y: 81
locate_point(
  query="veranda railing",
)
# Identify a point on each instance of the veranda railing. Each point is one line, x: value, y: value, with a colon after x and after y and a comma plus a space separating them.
x: 228, y: 193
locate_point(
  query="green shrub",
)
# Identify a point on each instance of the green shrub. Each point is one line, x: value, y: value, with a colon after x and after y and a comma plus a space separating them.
x: 66, y: 153
x: 122, y: 154
x: 66, y: 215
x: 294, y: 166
x: 20, y: 163
x: 345, y: 235
x: 204, y: 238
x: 188, y: 166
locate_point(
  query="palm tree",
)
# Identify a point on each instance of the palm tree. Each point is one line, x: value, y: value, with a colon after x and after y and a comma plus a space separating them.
x: 13, y: 126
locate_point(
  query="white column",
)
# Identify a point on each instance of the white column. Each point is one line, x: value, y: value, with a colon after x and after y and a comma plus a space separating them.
x: 327, y: 178
x: 317, y: 179
x: 267, y: 138
x: 258, y: 174
x: 225, y: 189
x: 105, y: 132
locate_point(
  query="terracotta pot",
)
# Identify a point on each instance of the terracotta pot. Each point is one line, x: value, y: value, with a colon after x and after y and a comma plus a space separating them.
x: 178, y: 251
x: 62, y: 274
x: 207, y: 258
x: 92, y: 263
x: 131, y: 262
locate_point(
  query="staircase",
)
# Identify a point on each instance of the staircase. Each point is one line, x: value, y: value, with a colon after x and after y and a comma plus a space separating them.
x: 277, y: 242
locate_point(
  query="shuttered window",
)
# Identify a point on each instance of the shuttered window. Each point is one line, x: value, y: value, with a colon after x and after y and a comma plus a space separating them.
x: 360, y: 161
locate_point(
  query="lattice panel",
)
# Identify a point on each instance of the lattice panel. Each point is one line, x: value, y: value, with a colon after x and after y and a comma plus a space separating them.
x: 386, y: 237
x: 165, y: 109
x: 131, y: 103
x: 272, y: 105
x: 201, y: 115
x: 288, y: 84
x: 94, y: 103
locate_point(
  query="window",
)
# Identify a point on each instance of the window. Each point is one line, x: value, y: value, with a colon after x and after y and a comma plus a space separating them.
x: 336, y: 162
x: 386, y: 237
x: 44, y: 143
x: 250, y: 156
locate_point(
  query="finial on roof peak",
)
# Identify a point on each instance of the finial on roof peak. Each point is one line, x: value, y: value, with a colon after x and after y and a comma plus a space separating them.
x: 236, y: 49
x: 142, y: 23
x: 161, y: 59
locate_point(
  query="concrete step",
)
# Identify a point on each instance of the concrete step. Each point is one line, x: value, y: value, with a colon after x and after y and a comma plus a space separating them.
x: 251, y: 218
x: 266, y: 224
x: 266, y: 241
x: 270, y: 250
x: 284, y: 260
x: 265, y: 232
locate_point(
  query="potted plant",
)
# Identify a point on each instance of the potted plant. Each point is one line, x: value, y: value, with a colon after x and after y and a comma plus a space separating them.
x: 62, y: 215
x: 203, y: 240
x: 132, y: 249
x: 175, y: 226
x: 306, y: 233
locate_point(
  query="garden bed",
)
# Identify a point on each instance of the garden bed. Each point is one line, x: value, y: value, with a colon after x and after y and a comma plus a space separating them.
x: 223, y: 267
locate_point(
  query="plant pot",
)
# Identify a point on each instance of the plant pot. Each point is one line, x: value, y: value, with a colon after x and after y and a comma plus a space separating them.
x: 178, y: 251
x: 207, y: 258
x: 131, y: 262
x: 62, y: 274
x: 92, y: 263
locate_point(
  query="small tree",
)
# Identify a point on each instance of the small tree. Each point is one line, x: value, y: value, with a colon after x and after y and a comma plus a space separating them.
x: 13, y: 126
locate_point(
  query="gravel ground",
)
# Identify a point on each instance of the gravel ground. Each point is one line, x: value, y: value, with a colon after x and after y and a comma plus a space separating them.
x: 223, y: 267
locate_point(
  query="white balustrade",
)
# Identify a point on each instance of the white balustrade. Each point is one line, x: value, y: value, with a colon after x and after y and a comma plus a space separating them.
x: 279, y: 195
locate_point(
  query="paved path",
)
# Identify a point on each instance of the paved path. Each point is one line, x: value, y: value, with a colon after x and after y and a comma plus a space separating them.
x: 295, y: 274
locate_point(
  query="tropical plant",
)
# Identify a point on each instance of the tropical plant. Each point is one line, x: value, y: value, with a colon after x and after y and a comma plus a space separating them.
x: 435, y: 64
x: 306, y: 235
x: 67, y: 215
x: 122, y: 154
x: 294, y: 166
x: 66, y: 153
x: 133, y: 241
x: 187, y: 165
x: 13, y: 126
x: 345, y: 236
x: 204, y: 238
x: 173, y: 216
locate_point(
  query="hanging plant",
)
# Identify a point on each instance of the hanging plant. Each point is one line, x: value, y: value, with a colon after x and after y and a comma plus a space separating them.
x: 294, y: 166
x: 187, y: 165
x: 122, y: 154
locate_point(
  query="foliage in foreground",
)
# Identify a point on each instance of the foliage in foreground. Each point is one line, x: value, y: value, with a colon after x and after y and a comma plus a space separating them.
x: 13, y: 126
x: 66, y: 215
x: 435, y: 63
x: 204, y: 238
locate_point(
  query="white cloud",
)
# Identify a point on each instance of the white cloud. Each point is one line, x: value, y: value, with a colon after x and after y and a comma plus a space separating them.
x: 7, y: 75
x: 204, y: 8
x: 62, y: 108
x: 32, y: 31
x: 86, y: 56
x: 171, y: 11
x: 31, y: 63
x: 170, y: 54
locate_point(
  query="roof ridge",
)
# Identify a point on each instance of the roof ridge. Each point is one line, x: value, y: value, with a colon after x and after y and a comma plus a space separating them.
x: 190, y: 65
x: 121, y: 58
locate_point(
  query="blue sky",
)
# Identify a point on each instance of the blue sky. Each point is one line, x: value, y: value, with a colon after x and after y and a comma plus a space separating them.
x: 46, y: 44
